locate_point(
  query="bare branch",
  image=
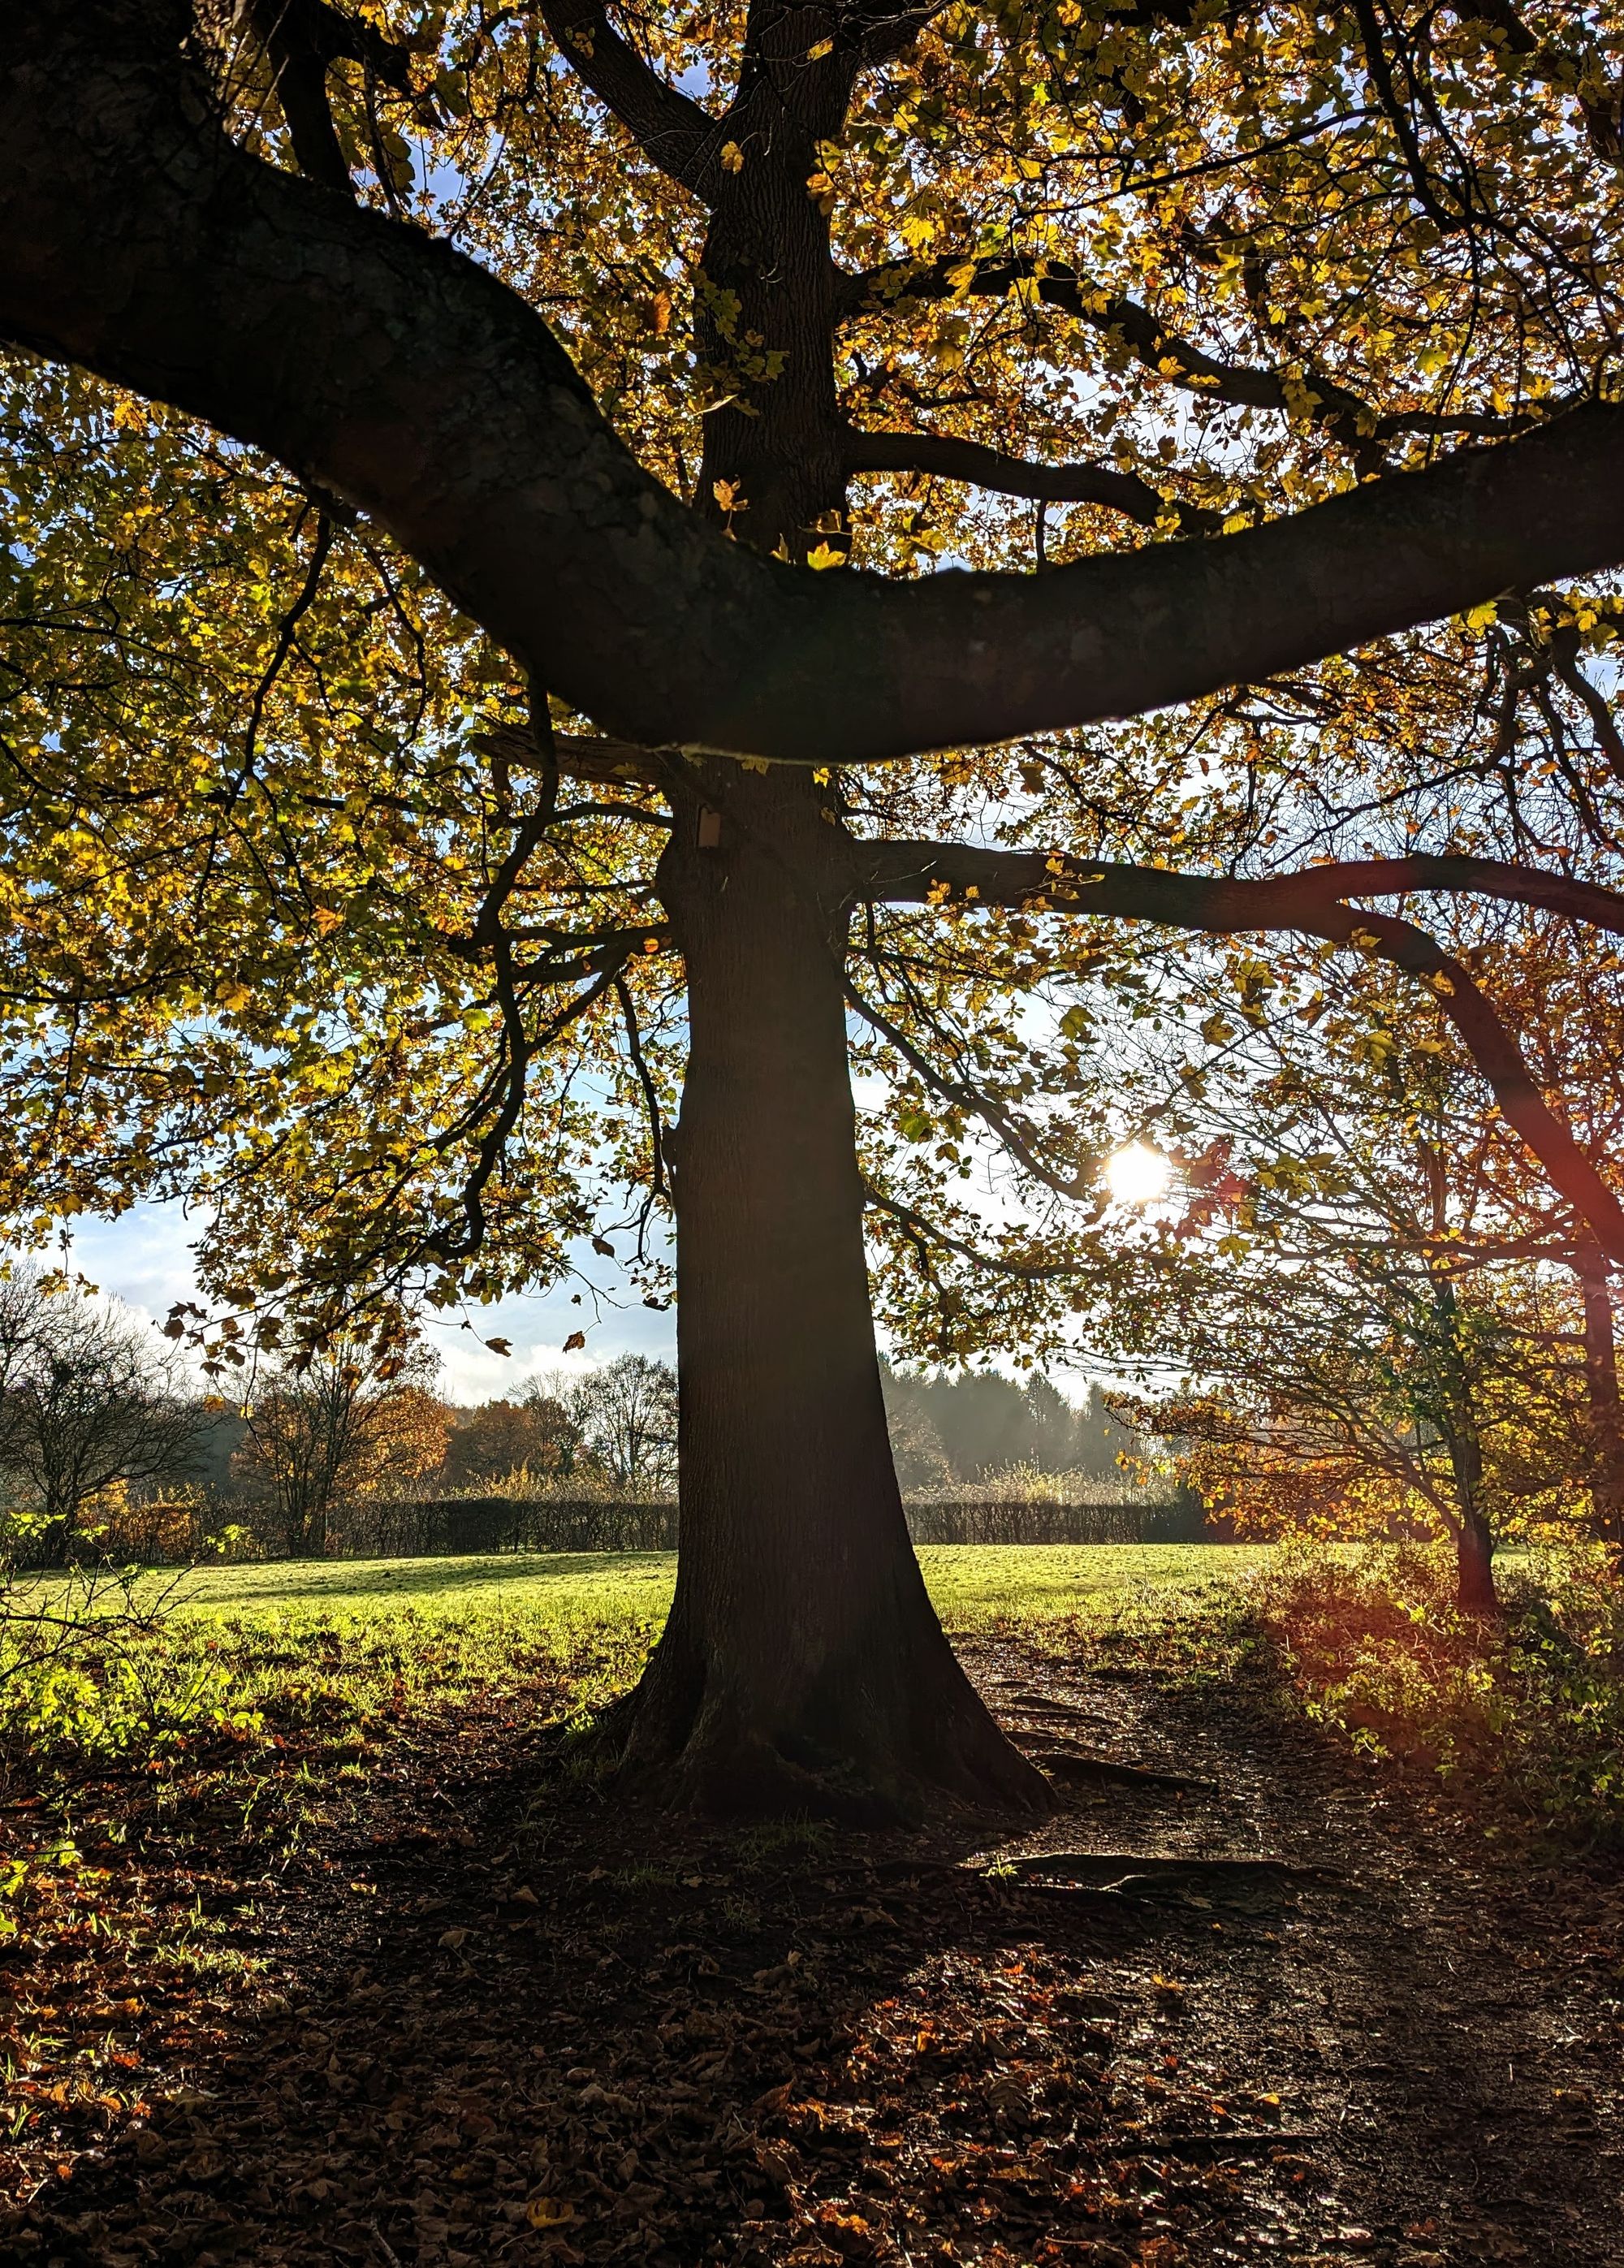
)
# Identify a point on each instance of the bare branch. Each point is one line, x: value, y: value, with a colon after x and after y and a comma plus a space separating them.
x: 945, y: 456
x: 674, y: 132
x: 1311, y: 903
x: 969, y: 1098
x: 303, y: 39
x: 922, y: 1232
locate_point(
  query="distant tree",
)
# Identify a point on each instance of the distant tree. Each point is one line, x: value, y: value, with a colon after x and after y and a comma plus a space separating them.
x: 537, y: 1435
x: 1052, y: 1426
x: 89, y: 1400
x: 917, y: 1448
x: 976, y: 1423
x: 1099, y: 1439
x: 339, y: 1425
x: 627, y: 1416
x: 222, y: 1430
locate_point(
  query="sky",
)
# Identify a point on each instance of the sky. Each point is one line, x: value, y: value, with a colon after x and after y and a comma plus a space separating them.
x: 144, y: 1258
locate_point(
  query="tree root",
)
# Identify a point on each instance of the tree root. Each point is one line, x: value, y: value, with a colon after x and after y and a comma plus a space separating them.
x: 1249, y: 1884
x: 1080, y: 1765
x: 681, y: 1744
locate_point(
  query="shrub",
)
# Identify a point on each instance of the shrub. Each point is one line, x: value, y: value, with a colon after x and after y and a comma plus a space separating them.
x: 1526, y: 1720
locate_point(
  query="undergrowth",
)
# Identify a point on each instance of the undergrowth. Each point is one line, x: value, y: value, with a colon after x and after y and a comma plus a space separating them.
x: 1524, y: 1720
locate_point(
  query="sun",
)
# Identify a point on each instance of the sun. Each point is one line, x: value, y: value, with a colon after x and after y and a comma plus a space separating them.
x: 1137, y: 1175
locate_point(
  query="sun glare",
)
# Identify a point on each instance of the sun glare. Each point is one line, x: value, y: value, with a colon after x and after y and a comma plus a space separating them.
x: 1136, y: 1175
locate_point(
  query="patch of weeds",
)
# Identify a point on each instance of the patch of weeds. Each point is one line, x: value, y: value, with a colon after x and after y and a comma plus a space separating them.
x: 642, y: 1878
x: 774, y: 1839
x: 1524, y: 1719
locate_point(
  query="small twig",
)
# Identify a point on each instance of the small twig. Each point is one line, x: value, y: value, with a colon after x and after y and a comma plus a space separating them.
x: 384, y: 2245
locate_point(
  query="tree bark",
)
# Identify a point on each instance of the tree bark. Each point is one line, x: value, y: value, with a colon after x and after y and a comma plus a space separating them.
x: 1474, y: 1567
x: 1606, y: 1406
x: 1475, y: 1538
x: 803, y: 1667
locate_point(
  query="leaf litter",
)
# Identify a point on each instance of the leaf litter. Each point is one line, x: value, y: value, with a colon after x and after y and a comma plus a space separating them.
x: 472, y: 2012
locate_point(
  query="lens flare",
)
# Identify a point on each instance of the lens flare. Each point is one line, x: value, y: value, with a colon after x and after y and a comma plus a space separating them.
x: 1137, y: 1175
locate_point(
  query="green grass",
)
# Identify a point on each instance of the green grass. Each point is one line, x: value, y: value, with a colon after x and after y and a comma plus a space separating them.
x: 971, y: 1584
x: 333, y: 1651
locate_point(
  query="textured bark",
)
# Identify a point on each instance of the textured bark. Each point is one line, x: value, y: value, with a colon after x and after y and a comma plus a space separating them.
x: 1606, y: 1405
x: 1475, y: 1568
x: 390, y: 370
x: 803, y: 1666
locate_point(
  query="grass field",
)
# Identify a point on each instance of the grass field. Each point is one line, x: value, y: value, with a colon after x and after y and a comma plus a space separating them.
x: 336, y: 1643
x: 971, y: 1584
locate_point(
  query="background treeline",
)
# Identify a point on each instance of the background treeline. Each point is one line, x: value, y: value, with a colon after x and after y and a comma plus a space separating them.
x: 107, y: 1450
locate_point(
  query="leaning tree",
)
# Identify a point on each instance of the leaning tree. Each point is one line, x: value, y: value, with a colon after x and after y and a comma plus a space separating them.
x: 560, y: 551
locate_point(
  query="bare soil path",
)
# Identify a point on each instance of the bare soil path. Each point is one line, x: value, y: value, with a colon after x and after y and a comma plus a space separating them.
x: 481, y: 2016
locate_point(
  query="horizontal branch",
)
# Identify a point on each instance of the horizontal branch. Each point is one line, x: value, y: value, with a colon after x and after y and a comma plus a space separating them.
x: 945, y: 456
x: 1312, y: 903
x: 391, y: 370
x: 902, y: 873
x: 581, y: 756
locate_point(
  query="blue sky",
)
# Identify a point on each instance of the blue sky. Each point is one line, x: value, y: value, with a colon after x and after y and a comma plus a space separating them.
x: 145, y: 1259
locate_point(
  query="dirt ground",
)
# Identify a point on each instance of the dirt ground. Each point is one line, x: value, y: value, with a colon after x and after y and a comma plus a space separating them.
x: 472, y: 2021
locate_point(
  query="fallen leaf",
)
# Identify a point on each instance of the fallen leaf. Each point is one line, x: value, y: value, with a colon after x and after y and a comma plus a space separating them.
x: 549, y: 2212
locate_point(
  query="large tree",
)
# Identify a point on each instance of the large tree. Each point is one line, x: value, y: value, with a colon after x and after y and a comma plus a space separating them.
x: 559, y: 347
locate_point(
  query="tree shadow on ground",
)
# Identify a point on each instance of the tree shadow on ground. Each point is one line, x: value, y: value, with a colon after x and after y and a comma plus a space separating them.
x: 522, y: 2023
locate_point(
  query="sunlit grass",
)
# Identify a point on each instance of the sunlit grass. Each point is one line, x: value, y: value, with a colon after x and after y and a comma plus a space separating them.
x: 971, y: 1584
x: 335, y: 1651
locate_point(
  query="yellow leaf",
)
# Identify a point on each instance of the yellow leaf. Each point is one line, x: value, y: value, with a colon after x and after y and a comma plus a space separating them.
x: 733, y: 157
x: 826, y: 556
x: 824, y: 47
x: 549, y: 2212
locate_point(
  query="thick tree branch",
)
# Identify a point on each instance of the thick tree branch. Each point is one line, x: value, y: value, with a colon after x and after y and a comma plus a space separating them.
x: 299, y: 75
x: 392, y: 371
x: 672, y: 131
x: 581, y: 756
x: 1312, y: 903
x: 303, y: 39
x: 901, y: 873
x: 945, y: 457
x: 1499, y: 1059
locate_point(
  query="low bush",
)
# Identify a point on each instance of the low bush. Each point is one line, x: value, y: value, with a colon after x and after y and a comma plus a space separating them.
x: 1525, y: 1719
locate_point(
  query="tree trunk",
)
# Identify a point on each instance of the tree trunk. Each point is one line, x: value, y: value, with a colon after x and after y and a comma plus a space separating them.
x: 1606, y: 1407
x: 803, y: 1667
x: 1474, y: 1565
x: 1474, y: 1539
